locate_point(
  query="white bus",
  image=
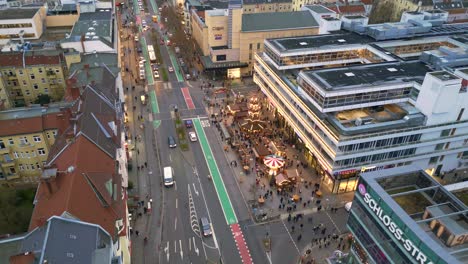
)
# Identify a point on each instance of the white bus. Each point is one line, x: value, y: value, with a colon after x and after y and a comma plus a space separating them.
x: 151, y: 54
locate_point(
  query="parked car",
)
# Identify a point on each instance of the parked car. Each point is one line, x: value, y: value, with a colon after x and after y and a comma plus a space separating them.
x: 171, y: 141
x: 192, y: 136
x: 171, y: 69
x: 156, y: 74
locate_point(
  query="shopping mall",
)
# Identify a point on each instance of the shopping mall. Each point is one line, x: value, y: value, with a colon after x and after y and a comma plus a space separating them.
x: 407, y: 217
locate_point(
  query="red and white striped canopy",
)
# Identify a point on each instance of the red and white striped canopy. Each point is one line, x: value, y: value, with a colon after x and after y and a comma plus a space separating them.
x: 273, y: 161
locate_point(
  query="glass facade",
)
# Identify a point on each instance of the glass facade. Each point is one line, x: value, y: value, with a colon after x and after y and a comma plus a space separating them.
x: 381, y: 233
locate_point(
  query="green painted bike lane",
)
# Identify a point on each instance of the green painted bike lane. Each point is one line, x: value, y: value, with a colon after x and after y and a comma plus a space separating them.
x: 223, y: 197
x: 179, y: 76
x: 154, y: 108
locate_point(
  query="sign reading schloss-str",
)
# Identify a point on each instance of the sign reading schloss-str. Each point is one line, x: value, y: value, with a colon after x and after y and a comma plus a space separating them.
x: 393, y: 227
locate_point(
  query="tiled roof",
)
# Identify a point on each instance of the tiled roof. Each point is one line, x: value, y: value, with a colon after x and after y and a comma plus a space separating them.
x: 30, y: 58
x: 351, y: 9
x: 18, y: 13
x: 79, y: 193
x: 13, y: 59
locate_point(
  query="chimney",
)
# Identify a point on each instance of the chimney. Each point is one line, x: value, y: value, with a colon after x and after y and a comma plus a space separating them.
x: 82, y: 39
x: 72, y: 92
x: 48, y: 177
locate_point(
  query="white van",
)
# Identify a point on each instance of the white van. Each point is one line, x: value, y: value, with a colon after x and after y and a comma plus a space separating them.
x: 168, y: 176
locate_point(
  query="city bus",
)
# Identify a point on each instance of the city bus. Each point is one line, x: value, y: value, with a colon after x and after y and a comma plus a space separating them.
x: 151, y: 54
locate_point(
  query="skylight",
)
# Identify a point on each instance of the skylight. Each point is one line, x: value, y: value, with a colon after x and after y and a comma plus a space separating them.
x: 302, y: 43
x: 392, y: 69
x: 341, y: 40
x: 349, y: 74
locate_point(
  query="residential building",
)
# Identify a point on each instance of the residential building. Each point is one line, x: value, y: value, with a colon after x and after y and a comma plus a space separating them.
x: 392, y: 95
x: 26, y: 138
x: 28, y: 74
x: 403, y: 215
x: 62, y: 239
x: 22, y: 23
x: 266, y: 6
x: 298, y: 4
x: 229, y: 38
x: 86, y: 171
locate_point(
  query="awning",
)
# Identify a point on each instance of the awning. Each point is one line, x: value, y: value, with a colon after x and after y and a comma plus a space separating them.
x: 208, y: 64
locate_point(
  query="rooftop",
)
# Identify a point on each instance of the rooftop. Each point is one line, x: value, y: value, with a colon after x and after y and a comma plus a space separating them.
x: 417, y: 199
x: 444, y: 76
x: 18, y: 13
x: 94, y: 25
x: 278, y: 21
x: 367, y: 75
x: 33, y: 57
x: 319, y: 9
x: 253, y: 2
x: 317, y: 41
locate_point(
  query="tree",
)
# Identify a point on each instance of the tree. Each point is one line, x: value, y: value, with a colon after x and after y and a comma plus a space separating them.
x: 42, y: 99
x: 15, y: 210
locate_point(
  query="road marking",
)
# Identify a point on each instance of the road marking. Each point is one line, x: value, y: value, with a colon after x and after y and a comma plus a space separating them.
x: 170, y: 157
x: 218, y: 182
x: 190, y: 244
x: 188, y: 98
x: 181, y: 252
x: 175, y: 223
x: 290, y: 236
x: 193, y: 214
x: 154, y: 102
x: 166, y: 249
x: 175, y: 185
x: 214, y: 236
x: 205, y: 123
x: 195, y: 247
x: 194, y: 189
x: 175, y: 246
x: 241, y: 244
x: 176, y: 203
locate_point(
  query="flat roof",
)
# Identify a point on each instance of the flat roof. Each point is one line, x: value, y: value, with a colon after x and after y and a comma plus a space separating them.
x: 18, y: 13
x: 318, y: 41
x: 319, y: 9
x: 278, y: 21
x: 94, y: 24
x: 407, y: 191
x: 370, y: 75
x: 444, y: 76
x: 32, y: 111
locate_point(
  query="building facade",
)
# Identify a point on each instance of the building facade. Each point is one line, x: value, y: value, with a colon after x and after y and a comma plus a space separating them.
x: 24, y: 23
x: 27, y: 75
x: 26, y: 137
x: 229, y: 38
x: 405, y: 216
x: 262, y: 6
x: 356, y: 104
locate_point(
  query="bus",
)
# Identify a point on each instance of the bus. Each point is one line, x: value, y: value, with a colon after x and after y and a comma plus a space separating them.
x: 151, y: 54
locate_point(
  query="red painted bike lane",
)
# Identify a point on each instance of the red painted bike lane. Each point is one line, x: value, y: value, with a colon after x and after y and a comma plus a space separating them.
x: 188, y: 98
x: 241, y: 245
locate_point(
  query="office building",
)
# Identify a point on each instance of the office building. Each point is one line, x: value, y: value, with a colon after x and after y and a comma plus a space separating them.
x: 26, y: 137
x: 62, y: 239
x: 403, y: 215
x: 25, y: 75
x: 373, y: 100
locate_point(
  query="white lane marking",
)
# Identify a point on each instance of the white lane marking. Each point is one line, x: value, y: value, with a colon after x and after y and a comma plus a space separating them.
x: 170, y: 157
x: 195, y: 189
x: 214, y: 236
x: 175, y: 223
x: 176, y: 203
x: 195, y: 247
x: 181, y: 252
x: 175, y: 185
x: 190, y: 244
x: 290, y: 236
x: 175, y: 246
x: 166, y: 249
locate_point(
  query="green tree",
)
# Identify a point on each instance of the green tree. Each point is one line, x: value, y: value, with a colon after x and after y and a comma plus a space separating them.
x: 43, y: 99
x: 15, y: 210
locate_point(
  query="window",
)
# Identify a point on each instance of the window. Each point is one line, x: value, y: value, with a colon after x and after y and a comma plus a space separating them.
x: 43, y: 80
x: 33, y: 167
x: 27, y: 154
x: 57, y: 70
x: 258, y: 45
x: 35, y: 86
x: 15, y: 154
x: 445, y: 133
x: 24, y: 83
x: 33, y: 154
x: 439, y: 146
x: 433, y: 160
x: 20, y: 72
x: 54, y: 133
x: 32, y: 77
x: 24, y: 140
x: 37, y: 138
x: 10, y: 141
x: 46, y: 90
x: 27, y: 92
x: 250, y: 46
x: 21, y: 167
x: 2, y: 145
x: 40, y: 70
x: 41, y: 151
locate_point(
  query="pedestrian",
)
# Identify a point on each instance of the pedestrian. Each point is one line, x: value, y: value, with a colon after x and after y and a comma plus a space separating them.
x: 281, y: 200
x: 137, y: 233
x: 299, y: 237
x: 302, y: 226
x: 289, y: 216
x: 292, y: 229
x: 146, y: 165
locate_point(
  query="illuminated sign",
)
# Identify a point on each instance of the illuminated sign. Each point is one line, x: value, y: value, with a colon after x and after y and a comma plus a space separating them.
x: 393, y: 227
x: 218, y: 36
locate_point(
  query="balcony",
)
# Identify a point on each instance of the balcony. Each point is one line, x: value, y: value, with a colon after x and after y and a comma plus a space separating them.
x: 4, y: 150
x: 12, y: 176
x: 8, y: 163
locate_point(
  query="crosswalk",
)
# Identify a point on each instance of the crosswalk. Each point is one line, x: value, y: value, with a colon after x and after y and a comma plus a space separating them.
x: 205, y: 123
x: 179, y: 249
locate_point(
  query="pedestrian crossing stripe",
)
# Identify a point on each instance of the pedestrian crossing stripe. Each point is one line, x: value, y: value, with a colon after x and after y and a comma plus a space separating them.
x: 205, y: 123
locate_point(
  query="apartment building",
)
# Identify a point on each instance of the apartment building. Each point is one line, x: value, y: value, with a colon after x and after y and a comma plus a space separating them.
x: 262, y: 6
x: 373, y: 100
x: 27, y: 74
x: 26, y: 137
